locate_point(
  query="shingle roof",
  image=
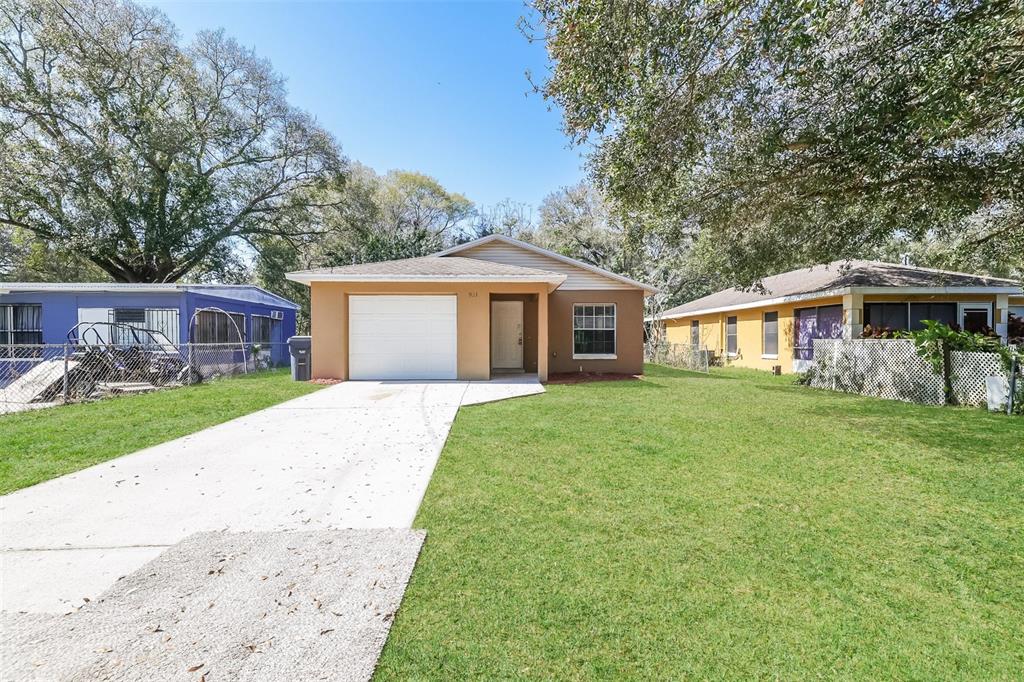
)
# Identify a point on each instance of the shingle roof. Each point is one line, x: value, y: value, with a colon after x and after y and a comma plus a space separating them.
x: 431, y: 267
x: 249, y: 292
x: 839, y: 275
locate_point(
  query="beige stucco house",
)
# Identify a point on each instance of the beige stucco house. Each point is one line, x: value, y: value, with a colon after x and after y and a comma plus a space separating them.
x: 490, y: 306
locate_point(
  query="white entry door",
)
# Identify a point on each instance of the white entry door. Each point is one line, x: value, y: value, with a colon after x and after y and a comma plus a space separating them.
x: 402, y: 337
x: 507, y: 334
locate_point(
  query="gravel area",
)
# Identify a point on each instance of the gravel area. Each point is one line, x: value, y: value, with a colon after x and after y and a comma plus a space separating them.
x: 314, y: 605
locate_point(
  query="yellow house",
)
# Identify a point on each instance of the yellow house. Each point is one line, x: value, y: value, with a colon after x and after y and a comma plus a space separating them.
x: 776, y: 326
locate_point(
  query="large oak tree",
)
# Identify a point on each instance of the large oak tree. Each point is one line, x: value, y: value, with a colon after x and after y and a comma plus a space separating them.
x: 795, y: 131
x: 142, y: 155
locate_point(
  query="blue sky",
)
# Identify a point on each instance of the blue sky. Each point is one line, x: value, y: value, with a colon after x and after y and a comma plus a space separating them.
x: 436, y: 87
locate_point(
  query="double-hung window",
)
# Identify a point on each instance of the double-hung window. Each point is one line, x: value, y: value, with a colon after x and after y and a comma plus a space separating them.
x: 21, y: 324
x: 593, y: 331
x: 695, y: 333
x: 731, y: 342
x: 770, y: 340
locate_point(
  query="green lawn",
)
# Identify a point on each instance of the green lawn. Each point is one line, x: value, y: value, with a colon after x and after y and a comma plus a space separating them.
x: 723, y: 526
x: 39, y: 445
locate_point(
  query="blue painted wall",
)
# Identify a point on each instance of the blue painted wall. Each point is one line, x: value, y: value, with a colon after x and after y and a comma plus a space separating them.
x: 60, y: 309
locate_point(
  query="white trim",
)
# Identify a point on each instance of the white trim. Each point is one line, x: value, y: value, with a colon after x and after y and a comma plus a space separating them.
x: 725, y: 329
x: 615, y: 329
x: 963, y: 307
x: 775, y: 355
x: 308, y: 278
x: 844, y: 291
x: 551, y: 254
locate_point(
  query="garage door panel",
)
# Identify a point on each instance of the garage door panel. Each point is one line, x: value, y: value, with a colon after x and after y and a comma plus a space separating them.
x: 402, y: 337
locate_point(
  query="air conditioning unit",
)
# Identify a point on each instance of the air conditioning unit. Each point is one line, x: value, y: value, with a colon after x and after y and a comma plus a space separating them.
x: 276, y: 315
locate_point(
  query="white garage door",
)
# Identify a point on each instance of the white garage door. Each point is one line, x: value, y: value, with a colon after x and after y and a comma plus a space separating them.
x: 401, y: 337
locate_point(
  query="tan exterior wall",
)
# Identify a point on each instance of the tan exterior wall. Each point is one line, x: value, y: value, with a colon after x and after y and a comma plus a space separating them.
x: 329, y: 322
x: 750, y: 327
x: 629, y: 331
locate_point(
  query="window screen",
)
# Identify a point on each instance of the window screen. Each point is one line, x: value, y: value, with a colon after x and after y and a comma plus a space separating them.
x: 731, y: 345
x: 771, y: 334
x: 940, y: 312
x: 593, y: 329
x: 890, y: 315
x: 695, y: 333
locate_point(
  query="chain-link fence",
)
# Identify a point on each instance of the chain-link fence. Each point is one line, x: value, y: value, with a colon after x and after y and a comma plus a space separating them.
x: 680, y: 355
x: 35, y: 376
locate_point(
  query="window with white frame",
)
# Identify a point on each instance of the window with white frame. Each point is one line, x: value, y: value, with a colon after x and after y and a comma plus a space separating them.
x: 770, y: 337
x: 593, y: 330
x: 731, y: 341
x: 21, y: 323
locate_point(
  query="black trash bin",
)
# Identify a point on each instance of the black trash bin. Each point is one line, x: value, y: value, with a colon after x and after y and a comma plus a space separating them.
x: 301, y: 350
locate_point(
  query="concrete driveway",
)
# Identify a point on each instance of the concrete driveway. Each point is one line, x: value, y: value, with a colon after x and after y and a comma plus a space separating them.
x: 354, y: 455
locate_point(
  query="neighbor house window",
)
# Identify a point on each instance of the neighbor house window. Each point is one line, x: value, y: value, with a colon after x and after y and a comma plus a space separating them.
x: 215, y: 327
x: 593, y: 331
x: 731, y: 345
x: 903, y: 316
x: 264, y: 329
x: 770, y: 338
x: 695, y: 333
x: 886, y: 315
x: 21, y: 323
x: 162, y: 320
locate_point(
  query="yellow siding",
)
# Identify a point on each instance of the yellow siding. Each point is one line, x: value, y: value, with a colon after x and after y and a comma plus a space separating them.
x: 749, y: 326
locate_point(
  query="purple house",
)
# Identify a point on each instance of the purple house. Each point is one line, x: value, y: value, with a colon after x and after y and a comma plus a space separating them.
x: 46, y: 313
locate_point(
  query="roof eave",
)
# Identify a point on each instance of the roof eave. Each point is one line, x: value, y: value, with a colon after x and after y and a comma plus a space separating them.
x: 842, y: 291
x: 553, y: 281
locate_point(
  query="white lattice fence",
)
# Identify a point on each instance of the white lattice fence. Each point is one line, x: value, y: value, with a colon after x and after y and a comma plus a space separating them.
x: 969, y: 371
x: 892, y: 369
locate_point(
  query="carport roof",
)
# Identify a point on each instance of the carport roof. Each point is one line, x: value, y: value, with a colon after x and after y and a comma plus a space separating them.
x: 428, y: 269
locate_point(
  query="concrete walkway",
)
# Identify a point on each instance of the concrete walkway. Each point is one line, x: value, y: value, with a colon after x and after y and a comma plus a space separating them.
x: 354, y: 455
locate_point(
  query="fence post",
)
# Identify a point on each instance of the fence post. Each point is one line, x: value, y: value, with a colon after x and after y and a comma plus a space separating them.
x: 947, y: 372
x: 67, y: 352
x: 1013, y: 386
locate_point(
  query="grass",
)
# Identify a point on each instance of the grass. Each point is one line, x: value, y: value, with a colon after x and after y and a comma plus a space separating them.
x: 42, y: 444
x: 723, y: 526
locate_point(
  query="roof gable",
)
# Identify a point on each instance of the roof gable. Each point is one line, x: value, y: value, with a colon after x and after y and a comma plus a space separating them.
x: 578, y: 275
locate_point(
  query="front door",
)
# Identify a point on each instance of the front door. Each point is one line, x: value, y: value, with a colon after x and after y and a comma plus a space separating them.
x: 507, y: 334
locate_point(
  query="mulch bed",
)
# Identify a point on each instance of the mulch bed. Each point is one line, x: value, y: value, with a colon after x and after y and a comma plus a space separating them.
x: 588, y: 377
x: 325, y: 382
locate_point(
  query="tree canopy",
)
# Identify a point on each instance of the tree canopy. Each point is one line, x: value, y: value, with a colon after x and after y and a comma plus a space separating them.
x: 146, y: 157
x: 786, y: 132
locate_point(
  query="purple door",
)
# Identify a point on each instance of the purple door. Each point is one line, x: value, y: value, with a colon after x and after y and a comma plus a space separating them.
x: 825, y: 322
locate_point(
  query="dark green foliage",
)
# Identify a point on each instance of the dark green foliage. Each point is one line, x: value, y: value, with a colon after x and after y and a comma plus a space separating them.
x: 792, y: 132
